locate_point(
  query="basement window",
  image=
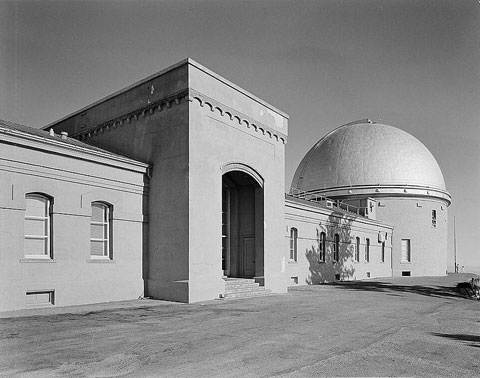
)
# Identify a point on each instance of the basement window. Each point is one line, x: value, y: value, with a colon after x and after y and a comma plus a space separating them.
x: 406, y: 273
x: 40, y: 298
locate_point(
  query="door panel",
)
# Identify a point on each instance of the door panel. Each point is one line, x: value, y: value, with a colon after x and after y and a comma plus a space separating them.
x: 248, y: 256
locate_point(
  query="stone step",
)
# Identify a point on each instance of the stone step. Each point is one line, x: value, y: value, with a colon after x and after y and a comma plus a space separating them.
x: 236, y: 285
x: 244, y: 288
x: 247, y: 294
x: 239, y: 280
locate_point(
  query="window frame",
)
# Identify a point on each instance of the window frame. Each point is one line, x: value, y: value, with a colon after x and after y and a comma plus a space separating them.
x: 47, y: 219
x: 408, y: 244
x: 107, y: 224
x: 293, y: 244
x: 367, y: 250
x: 357, y: 250
x: 322, y: 246
x: 336, y: 248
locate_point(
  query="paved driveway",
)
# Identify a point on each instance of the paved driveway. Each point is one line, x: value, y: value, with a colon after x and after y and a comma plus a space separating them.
x: 393, y: 327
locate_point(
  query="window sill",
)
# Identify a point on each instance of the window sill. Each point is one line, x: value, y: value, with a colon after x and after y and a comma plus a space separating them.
x: 292, y: 262
x: 101, y: 261
x: 37, y: 260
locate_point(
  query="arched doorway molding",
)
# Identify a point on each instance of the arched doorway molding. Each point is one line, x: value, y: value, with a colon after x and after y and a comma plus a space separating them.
x: 242, y: 221
x: 236, y: 166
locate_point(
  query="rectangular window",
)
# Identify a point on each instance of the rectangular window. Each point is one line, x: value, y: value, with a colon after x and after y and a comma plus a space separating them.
x: 367, y: 250
x: 37, y: 226
x: 293, y: 244
x: 336, y: 247
x: 41, y: 298
x: 357, y: 249
x: 406, y: 251
x: 321, y: 247
x: 434, y: 218
x: 100, y: 231
x: 383, y: 253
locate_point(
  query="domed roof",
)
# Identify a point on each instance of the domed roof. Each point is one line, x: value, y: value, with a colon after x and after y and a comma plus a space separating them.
x: 368, y: 155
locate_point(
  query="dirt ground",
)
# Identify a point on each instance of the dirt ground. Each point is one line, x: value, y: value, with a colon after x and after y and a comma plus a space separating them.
x: 402, y: 327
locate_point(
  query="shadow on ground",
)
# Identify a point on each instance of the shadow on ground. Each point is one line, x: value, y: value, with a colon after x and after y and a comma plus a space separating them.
x: 474, y: 339
x: 399, y: 289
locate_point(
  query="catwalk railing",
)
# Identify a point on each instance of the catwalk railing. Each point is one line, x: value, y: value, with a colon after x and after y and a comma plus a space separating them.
x: 328, y: 202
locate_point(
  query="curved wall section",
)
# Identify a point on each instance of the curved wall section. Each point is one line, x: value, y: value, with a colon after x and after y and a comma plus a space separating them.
x: 422, y: 225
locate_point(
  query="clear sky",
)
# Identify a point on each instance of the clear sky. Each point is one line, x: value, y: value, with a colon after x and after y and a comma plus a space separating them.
x: 410, y: 64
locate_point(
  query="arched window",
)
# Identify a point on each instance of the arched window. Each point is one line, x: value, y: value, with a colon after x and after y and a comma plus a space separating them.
x: 101, y: 231
x: 357, y: 249
x: 367, y: 250
x: 293, y: 244
x: 38, y: 226
x: 322, y: 247
x: 336, y: 247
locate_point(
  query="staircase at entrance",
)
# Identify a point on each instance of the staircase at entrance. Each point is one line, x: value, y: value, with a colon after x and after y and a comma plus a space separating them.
x: 243, y: 288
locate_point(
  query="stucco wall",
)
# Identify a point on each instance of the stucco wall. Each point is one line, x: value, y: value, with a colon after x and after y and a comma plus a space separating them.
x: 187, y: 136
x: 215, y: 141
x: 412, y: 218
x: 310, y: 220
x: 218, y: 138
x: 73, y: 184
x: 161, y: 139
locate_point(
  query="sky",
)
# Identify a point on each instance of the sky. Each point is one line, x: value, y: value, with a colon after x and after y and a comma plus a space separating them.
x: 414, y: 65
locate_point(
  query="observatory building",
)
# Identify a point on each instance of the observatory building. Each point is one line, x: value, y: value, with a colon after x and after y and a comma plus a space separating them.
x: 173, y: 188
x: 395, y: 178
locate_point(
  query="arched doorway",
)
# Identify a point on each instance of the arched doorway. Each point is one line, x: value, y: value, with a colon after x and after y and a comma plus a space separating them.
x: 242, y: 224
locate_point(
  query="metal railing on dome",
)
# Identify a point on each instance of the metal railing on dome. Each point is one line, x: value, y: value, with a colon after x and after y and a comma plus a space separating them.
x: 328, y: 202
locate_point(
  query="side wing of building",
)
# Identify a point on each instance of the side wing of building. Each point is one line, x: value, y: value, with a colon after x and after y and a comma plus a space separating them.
x: 72, y: 222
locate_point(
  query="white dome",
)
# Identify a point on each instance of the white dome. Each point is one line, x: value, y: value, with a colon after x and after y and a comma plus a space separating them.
x: 369, y: 155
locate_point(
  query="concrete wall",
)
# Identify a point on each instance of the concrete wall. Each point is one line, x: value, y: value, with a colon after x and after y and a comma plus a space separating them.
x: 310, y: 220
x: 73, y: 180
x: 191, y: 125
x: 228, y: 127
x: 412, y: 218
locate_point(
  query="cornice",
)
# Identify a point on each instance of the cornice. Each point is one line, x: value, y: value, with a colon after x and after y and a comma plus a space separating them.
x: 233, y: 115
x: 142, y: 112
x: 192, y: 96
x: 73, y: 151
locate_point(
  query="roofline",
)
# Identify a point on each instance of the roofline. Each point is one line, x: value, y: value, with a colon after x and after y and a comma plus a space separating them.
x: 235, y: 87
x: 92, y: 155
x: 291, y: 200
x: 183, y: 62
x: 119, y: 92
